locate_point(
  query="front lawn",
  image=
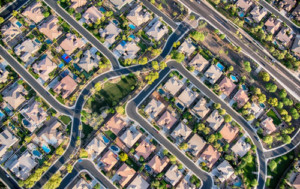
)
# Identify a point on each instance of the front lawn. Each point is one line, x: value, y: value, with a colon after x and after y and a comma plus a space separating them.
x: 65, y: 119
x: 272, y: 115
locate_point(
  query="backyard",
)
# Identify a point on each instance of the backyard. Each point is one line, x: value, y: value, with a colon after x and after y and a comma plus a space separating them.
x: 273, y: 115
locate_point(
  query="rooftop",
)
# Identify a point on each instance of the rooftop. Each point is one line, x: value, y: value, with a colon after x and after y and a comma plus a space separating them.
x: 89, y: 60
x: 34, y: 12
x: 241, y: 97
x: 15, y: 95
x: 157, y: 30
x: 115, y: 124
x: 187, y: 97
x: 109, y: 160
x: 158, y: 164
x: 9, y: 31
x: 210, y: 156
x: 213, y: 73
x: 241, y: 147
x: 272, y: 25
x: 44, y: 67
x: 110, y: 33
x: 71, y: 43
x: 182, y: 131
x: 144, y: 149
x: 244, y: 5
x: 154, y: 107
x: 227, y: 86
x: 268, y: 125
x: 65, y: 87
x: 138, y: 15
x: 95, y: 147
x: 167, y: 120
x: 130, y: 136
x: 138, y: 183
x: 26, y: 49
x: 7, y: 139
x: 215, y: 120
x: 50, y: 28
x: 173, y: 85
x: 51, y: 134
x: 126, y: 173
x: 173, y: 175
x: 91, y: 15
x: 229, y: 132
x: 198, y: 62
x: 187, y: 47
x: 127, y: 50
x: 201, y: 108
x: 196, y: 144
x: 225, y: 171
x: 258, y: 13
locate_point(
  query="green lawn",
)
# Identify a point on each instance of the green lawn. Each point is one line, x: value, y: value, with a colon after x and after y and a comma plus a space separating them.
x: 249, y: 170
x: 86, y: 129
x: 65, y: 119
x: 110, y: 134
x: 272, y: 114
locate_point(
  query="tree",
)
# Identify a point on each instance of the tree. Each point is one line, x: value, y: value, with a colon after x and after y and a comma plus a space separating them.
x: 183, y: 146
x: 54, y: 181
x: 155, y: 65
x: 192, y: 17
x: 78, y: 16
x: 200, y: 126
x: 15, y: 13
x: 254, y: 183
x: 160, y: 7
x: 227, y: 118
x: 162, y: 65
x: 264, y: 76
x: 271, y: 87
x: 211, y: 138
x: 250, y: 117
x: 286, y: 139
x: 120, y: 110
x: 222, y: 111
x: 69, y: 168
x: 180, y: 166
x: 282, y: 93
x: 123, y: 156
x: 268, y: 139
x: 273, y: 101
x: 179, y: 57
x: 272, y: 165
x: 217, y: 106
x: 198, y: 36
x: 59, y: 151
x: 222, y: 36
x: 230, y: 69
x: 46, y: 14
x: 98, y: 86
x: 247, y: 66
x: 294, y: 113
x: 152, y: 2
x: 172, y: 158
x: 1, y: 20
x: 287, y: 102
x: 262, y: 98
x: 83, y: 153
x: 151, y: 77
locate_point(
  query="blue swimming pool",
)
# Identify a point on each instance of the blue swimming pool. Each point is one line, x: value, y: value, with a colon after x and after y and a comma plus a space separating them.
x: 148, y: 168
x: 32, y: 26
x: 247, y: 20
x: 61, y: 65
x: 25, y: 122
x: 105, y: 140
x: 12, y: 126
x: 19, y: 24
x: 220, y: 66
x: 114, y: 148
x: 242, y: 14
x: 123, y: 43
x: 180, y: 106
x: 46, y: 148
x: 115, y: 22
x: 244, y: 87
x: 233, y: 78
x: 161, y: 91
x: 48, y: 41
x: 131, y: 26
x: 238, y: 184
x: 36, y: 40
x: 1, y: 115
x: 36, y: 153
x: 7, y: 110
x: 262, y: 105
x: 102, y: 9
x: 132, y: 36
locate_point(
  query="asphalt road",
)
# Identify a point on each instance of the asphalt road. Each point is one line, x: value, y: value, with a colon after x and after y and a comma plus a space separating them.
x: 6, y: 13
x: 7, y: 180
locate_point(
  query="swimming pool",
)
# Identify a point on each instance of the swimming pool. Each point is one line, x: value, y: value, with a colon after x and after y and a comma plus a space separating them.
x: 233, y: 78
x: 32, y: 26
x: 244, y: 87
x: 36, y: 153
x: 46, y: 148
x: 1, y: 115
x: 48, y: 41
x: 148, y: 168
x: 123, y: 43
x: 19, y: 24
x: 262, y: 105
x: 132, y: 36
x: 180, y: 106
x: 102, y: 9
x: 161, y: 91
x: 105, y: 140
x: 25, y: 122
x: 61, y: 65
x: 131, y: 26
x: 238, y: 184
x: 115, y: 22
x: 242, y: 14
x: 220, y: 66
x: 36, y: 40
x: 7, y: 110
x: 114, y: 148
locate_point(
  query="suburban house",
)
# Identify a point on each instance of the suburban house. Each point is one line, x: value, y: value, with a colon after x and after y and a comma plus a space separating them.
x: 109, y: 34
x: 284, y: 36
x: 44, y: 67
x: 34, y: 113
x: 50, y: 28
x: 109, y: 160
x: 23, y: 165
x: 51, y: 134
x: 7, y: 139
x: 77, y: 3
x: 157, y: 164
x: 183, y: 184
x: 125, y: 173
x: 268, y: 126
x: 272, y: 25
x: 115, y: 124
x: 213, y: 73
x: 120, y: 3
x: 95, y: 147
x: 173, y: 85
x: 127, y: 49
x: 26, y: 49
x: 9, y: 31
x: 215, y: 120
x: 34, y: 12
x: 167, y: 120
x: 138, y: 15
x: 71, y: 43
x: 210, y: 156
x: 187, y: 97
x: 91, y: 15
x: 181, y: 132
x: 157, y: 30
x: 241, y: 98
x: 225, y: 171
x: 296, y: 12
x: 258, y: 13
x: 255, y: 109
x: 173, y: 175
x: 3, y: 74
x: 130, y: 136
x: 229, y: 132
x: 65, y: 87
x: 82, y: 184
x: 154, y: 108
x: 144, y: 150
x: 201, y: 108
x: 89, y: 60
x: 196, y: 144
x: 14, y: 95
x: 227, y: 86
x: 243, y: 5
x: 187, y: 47
x: 296, y: 46
x: 138, y: 183
x: 198, y: 62
x: 241, y: 147
x: 287, y: 5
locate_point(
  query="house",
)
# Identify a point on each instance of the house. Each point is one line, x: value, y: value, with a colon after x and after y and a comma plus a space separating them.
x: 198, y: 62
x: 115, y: 124
x: 187, y: 97
x: 201, y: 108
x: 296, y: 13
x: 229, y: 132
x: 173, y: 85
x: 34, y: 12
x: 196, y: 144
x: 50, y: 28
x: 95, y: 147
x: 167, y: 120
x: 255, y: 109
x: 157, y: 164
x: 138, y: 15
x: 210, y: 156
x: 89, y: 60
x: 215, y: 120
x: 120, y: 3
x: 144, y: 150
x: 272, y: 25
x: 82, y: 184
x: 71, y: 43
x: 258, y: 13
x: 187, y: 47
x: 65, y: 87
x: 225, y: 171
x: 3, y: 74
x: 284, y: 36
x: 125, y: 173
x: 157, y: 30
x: 241, y: 147
x: 34, y: 113
x: 173, y: 175
x: 241, y: 98
x: 181, y: 132
x: 213, y: 73
x: 51, y: 134
x: 227, y: 86
x: 296, y: 45
x: 244, y: 5
x: 287, y: 5
x: 130, y: 136
x: 138, y: 183
x: 109, y: 33
x: 154, y: 108
x: 268, y: 126
x: 109, y: 160
x: 9, y: 31
x: 91, y: 15
x: 26, y: 49
x: 44, y: 67
x: 23, y: 165
x: 127, y: 49
x: 296, y: 183
x: 183, y: 184
x: 14, y: 95
x: 7, y: 139
x: 77, y: 3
